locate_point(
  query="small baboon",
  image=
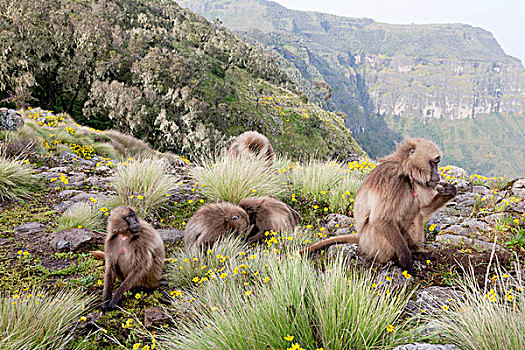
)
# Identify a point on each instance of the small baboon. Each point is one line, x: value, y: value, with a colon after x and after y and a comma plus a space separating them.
x: 268, y: 213
x: 133, y: 253
x: 214, y: 221
x: 394, y: 200
x: 251, y: 142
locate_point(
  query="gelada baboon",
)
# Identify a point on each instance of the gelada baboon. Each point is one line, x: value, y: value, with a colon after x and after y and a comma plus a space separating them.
x: 394, y: 200
x: 268, y: 213
x: 214, y: 221
x: 251, y: 142
x: 133, y: 253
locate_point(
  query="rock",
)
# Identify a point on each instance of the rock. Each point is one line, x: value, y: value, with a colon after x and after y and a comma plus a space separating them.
x: 441, y: 220
x: 336, y: 221
x: 30, y: 228
x: 154, y: 316
x: 103, y: 170
x: 77, y: 198
x: 482, y: 190
x: 462, y: 186
x: 10, y: 119
x: 66, y: 194
x: 474, y: 225
x: 496, y: 218
x: 455, y: 229
x: 343, y: 231
x: 454, y: 240
x: 98, y: 182
x: 432, y: 298
x: 425, y: 346
x: 171, y: 235
x: 455, y: 172
x: 77, y: 240
x: 347, y: 251
x: 68, y: 157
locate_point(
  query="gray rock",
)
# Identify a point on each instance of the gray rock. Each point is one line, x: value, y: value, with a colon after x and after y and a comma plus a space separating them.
x: 99, y: 182
x: 482, y: 190
x: 155, y: 316
x: 336, y: 221
x: 463, y: 186
x: 66, y: 194
x: 171, y: 235
x: 456, y: 229
x: 456, y: 172
x: 425, y: 346
x: 348, y: 251
x: 495, y: 218
x: 441, y: 220
x: 454, y: 240
x: 30, y: 228
x: 10, y: 119
x: 77, y: 240
x: 392, y: 277
x: 68, y: 157
x: 432, y: 298
x: 103, y: 170
x: 343, y: 231
x: 474, y: 226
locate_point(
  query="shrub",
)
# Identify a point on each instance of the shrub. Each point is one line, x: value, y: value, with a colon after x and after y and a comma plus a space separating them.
x: 488, y: 317
x: 288, y: 298
x: 143, y: 184
x: 233, y: 178
x: 83, y: 215
x: 38, y: 320
x: 16, y: 178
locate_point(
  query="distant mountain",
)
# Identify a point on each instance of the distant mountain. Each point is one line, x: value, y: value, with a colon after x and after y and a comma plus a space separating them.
x: 160, y: 72
x: 393, y: 81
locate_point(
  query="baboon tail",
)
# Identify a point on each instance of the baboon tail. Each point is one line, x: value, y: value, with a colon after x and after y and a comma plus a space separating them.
x: 98, y: 254
x: 352, y: 238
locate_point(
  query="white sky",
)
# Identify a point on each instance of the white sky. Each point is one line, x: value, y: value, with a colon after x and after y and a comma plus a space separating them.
x: 505, y: 19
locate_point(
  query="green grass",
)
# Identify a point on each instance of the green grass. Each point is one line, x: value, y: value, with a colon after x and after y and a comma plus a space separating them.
x: 233, y: 179
x: 143, y: 184
x: 16, y: 180
x: 36, y: 320
x: 488, y: 317
x: 280, y: 295
x: 81, y: 215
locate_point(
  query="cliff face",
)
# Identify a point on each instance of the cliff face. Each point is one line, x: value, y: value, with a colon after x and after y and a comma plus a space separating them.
x: 378, y: 72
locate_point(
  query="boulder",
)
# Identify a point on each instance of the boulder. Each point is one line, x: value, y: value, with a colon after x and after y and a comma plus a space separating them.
x: 30, y: 228
x: 172, y: 235
x: 76, y: 240
x: 10, y: 119
x: 155, y: 316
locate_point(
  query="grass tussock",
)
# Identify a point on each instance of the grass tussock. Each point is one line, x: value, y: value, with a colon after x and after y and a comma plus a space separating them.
x: 16, y: 179
x: 487, y: 317
x: 233, y: 178
x: 262, y: 299
x: 81, y: 215
x: 143, y: 184
x: 38, y: 320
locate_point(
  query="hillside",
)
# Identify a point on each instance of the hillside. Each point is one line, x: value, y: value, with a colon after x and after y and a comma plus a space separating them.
x: 159, y: 72
x: 379, y: 71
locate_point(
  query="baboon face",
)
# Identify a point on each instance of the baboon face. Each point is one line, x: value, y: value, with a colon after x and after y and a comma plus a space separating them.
x: 424, y: 158
x: 239, y: 222
x: 125, y: 221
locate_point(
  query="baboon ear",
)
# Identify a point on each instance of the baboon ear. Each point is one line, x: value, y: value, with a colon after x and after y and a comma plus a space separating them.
x: 412, y: 151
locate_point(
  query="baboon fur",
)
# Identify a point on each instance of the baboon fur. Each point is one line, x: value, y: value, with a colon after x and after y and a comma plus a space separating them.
x: 393, y: 202
x: 214, y: 221
x: 268, y: 213
x: 133, y: 253
x: 251, y: 142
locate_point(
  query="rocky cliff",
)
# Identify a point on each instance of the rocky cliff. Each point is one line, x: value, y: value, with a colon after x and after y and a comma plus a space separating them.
x: 377, y: 72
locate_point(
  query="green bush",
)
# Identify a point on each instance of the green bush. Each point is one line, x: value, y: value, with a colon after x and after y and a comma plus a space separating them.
x: 38, y: 320
x: 81, y: 215
x: 143, y: 184
x: 234, y: 178
x: 16, y: 179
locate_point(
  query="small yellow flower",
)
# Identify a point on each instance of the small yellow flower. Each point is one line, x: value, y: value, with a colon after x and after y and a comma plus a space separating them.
x: 140, y: 197
x: 136, y: 346
x: 248, y: 292
x: 288, y: 337
x: 223, y: 275
x: 82, y: 319
x: 445, y: 307
x: 390, y: 329
x: 137, y: 296
x: 80, y: 226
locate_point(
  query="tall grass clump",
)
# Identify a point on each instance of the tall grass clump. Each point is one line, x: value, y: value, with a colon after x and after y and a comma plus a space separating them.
x: 342, y: 194
x: 315, y: 178
x: 489, y: 316
x: 143, y: 184
x: 293, y: 305
x: 40, y: 321
x: 16, y: 179
x: 232, y: 178
x: 83, y: 215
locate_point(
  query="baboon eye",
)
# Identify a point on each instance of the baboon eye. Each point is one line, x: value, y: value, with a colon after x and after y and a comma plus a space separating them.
x: 235, y: 218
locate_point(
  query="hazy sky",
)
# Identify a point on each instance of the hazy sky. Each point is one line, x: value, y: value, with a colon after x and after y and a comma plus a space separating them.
x: 505, y: 19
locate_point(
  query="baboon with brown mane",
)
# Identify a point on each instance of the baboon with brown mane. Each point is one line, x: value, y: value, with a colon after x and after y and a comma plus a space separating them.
x: 268, y: 213
x: 214, y: 221
x: 394, y: 200
x: 251, y: 142
x: 133, y: 253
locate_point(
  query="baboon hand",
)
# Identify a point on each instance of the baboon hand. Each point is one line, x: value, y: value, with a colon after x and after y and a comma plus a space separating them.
x: 447, y: 190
